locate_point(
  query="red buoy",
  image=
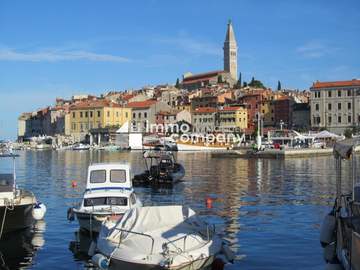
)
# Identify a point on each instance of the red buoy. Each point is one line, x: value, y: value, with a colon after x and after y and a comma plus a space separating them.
x: 73, y: 184
x: 209, y: 202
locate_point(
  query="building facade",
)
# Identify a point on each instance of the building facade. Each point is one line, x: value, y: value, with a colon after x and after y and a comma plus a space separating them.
x: 204, y: 120
x: 232, y: 119
x: 335, y: 106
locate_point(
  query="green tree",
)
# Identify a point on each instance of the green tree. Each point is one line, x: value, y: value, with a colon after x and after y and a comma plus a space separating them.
x: 238, y: 84
x: 256, y: 83
x: 177, y: 84
x: 279, y: 86
x: 245, y: 84
x: 348, y: 133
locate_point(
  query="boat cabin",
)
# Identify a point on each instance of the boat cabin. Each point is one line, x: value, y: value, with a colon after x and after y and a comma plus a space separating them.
x: 8, y: 180
x: 110, y: 176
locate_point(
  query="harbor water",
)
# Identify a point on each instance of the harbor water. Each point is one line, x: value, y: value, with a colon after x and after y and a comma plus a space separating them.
x: 269, y: 210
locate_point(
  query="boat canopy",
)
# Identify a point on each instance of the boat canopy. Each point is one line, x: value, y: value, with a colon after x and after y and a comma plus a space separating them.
x: 148, y: 219
x: 109, y: 176
x: 345, y: 148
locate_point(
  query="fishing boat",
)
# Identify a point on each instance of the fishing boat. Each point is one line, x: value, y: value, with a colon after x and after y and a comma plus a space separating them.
x: 161, y: 169
x: 109, y: 192
x: 158, y: 237
x: 340, y: 231
x: 18, y: 207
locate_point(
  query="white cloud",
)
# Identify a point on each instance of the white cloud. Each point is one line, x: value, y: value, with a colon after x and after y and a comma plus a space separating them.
x: 53, y: 55
x: 315, y: 49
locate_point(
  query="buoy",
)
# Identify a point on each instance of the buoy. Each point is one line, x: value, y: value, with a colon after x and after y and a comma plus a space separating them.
x: 327, y: 231
x: 330, y: 252
x: 74, y: 184
x: 39, y: 211
x: 100, y: 261
x: 209, y: 202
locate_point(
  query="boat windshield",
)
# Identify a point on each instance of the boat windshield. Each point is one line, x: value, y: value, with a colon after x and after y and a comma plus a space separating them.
x: 119, y: 201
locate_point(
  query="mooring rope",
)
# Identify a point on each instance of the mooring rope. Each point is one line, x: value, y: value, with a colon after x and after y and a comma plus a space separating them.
x: 9, y: 205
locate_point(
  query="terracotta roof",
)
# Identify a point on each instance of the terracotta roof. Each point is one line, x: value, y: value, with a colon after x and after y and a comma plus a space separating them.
x: 336, y: 84
x: 141, y: 104
x: 202, y: 76
x: 127, y: 96
x: 93, y: 104
x: 167, y: 113
x: 205, y: 110
x: 234, y: 108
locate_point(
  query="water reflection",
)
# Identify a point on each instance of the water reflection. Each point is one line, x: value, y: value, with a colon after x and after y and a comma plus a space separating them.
x: 18, y: 249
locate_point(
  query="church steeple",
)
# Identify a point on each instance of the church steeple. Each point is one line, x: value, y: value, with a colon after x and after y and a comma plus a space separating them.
x: 230, y: 52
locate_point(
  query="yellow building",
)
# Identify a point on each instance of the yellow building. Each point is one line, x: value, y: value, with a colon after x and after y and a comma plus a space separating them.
x: 267, y: 112
x: 90, y: 114
x: 183, y: 107
x: 233, y: 119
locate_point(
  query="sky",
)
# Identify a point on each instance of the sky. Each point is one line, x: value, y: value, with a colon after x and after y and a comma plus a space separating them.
x: 52, y: 49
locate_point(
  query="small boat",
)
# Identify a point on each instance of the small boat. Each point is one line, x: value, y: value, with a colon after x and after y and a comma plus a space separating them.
x: 18, y: 208
x: 161, y: 169
x: 109, y: 192
x: 158, y: 237
x: 80, y: 147
x: 340, y: 231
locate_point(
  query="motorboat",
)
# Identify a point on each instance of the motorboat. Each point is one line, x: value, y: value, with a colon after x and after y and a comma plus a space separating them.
x: 158, y: 237
x: 161, y: 169
x: 81, y: 147
x: 340, y: 231
x: 109, y: 192
x: 18, y: 207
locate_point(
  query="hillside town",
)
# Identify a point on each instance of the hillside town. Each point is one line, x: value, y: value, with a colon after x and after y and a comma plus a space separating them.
x: 213, y: 101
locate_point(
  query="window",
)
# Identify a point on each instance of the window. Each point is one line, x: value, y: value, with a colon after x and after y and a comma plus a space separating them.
x: 98, y: 176
x: 349, y: 93
x: 118, y: 176
x: 121, y: 201
x: 126, y: 115
x: 145, y: 115
x: 329, y: 106
x: 339, y: 106
x: 329, y: 119
x: 349, y: 118
x: 349, y: 105
x: 134, y: 115
x: 117, y: 114
x: 91, y: 114
x: 339, y: 119
x: 98, y: 113
x: 74, y: 126
x: 139, y: 115
x: 339, y: 93
x: 86, y: 114
x: 81, y: 114
x: 73, y: 114
x: 316, y: 107
x: 108, y: 114
x: 329, y: 93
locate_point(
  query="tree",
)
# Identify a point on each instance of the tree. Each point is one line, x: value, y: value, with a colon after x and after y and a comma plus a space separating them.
x: 177, y: 85
x: 348, y: 133
x: 279, y: 86
x: 238, y: 84
x: 256, y: 83
x: 220, y: 79
x: 245, y: 84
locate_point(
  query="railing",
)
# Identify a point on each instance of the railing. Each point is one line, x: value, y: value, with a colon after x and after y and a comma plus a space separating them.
x: 137, y: 233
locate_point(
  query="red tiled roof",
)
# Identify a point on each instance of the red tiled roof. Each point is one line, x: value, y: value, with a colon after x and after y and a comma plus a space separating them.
x: 202, y: 76
x: 141, y: 104
x: 234, y: 108
x: 205, y: 110
x: 336, y: 84
x: 128, y: 96
x: 93, y: 104
x: 166, y: 113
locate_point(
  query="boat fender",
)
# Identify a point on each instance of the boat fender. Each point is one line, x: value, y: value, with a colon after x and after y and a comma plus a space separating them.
x: 333, y: 266
x: 39, y: 211
x: 70, y: 214
x: 100, y: 261
x: 92, y: 248
x: 229, y: 254
x: 327, y: 230
x: 329, y: 252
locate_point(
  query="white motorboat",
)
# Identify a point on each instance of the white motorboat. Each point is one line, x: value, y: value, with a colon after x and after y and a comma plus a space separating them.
x: 18, y: 208
x: 80, y: 147
x: 157, y: 237
x: 109, y: 192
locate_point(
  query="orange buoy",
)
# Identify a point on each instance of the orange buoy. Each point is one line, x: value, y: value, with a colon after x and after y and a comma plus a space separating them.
x: 73, y: 184
x: 209, y: 202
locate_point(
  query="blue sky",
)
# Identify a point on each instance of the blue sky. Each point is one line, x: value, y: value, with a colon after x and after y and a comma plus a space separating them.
x: 61, y: 48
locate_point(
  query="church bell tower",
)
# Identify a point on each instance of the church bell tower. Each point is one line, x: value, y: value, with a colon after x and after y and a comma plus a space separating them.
x: 230, y: 52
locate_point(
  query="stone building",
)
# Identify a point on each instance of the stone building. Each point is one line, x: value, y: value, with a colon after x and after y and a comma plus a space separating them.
x: 230, y: 52
x: 204, y: 120
x: 335, y: 106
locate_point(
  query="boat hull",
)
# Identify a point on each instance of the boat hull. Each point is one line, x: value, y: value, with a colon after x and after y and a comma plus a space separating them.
x: 17, y: 219
x: 203, y: 263
x: 90, y: 222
